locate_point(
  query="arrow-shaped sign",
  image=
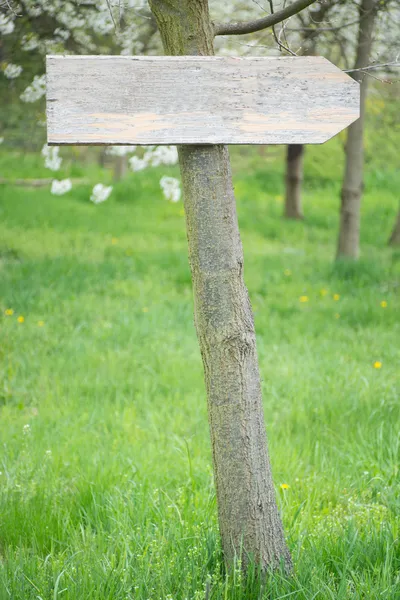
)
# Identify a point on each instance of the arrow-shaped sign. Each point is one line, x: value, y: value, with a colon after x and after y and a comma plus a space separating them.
x: 197, y: 100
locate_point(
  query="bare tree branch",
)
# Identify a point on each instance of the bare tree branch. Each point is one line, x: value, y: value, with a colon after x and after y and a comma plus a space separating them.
x: 264, y: 23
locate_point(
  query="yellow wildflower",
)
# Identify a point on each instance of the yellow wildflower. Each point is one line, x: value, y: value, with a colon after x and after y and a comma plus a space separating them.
x: 303, y: 298
x: 336, y: 297
x: 21, y: 319
x: 337, y: 316
x: 384, y: 304
x: 287, y: 272
x: 114, y: 240
x: 8, y: 312
x: 377, y: 364
x: 145, y: 309
x: 285, y: 486
x: 323, y: 292
x: 40, y: 323
x: 279, y: 198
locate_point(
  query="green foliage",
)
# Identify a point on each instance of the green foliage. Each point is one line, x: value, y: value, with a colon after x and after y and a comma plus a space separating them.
x: 106, y: 483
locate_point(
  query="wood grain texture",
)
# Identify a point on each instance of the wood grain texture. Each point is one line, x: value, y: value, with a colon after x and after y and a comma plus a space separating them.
x: 197, y: 100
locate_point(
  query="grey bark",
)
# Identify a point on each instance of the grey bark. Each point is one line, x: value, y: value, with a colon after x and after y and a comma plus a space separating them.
x: 395, y: 237
x: 249, y: 521
x: 120, y: 167
x: 294, y: 179
x: 349, y: 229
x: 295, y: 152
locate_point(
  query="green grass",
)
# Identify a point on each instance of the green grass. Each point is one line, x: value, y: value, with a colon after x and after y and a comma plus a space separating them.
x: 106, y: 486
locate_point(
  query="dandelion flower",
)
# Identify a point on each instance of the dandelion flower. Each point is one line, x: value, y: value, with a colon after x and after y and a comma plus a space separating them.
x: 9, y: 312
x: 303, y: 298
x: 384, y: 304
x: 336, y: 297
x: 21, y: 319
x: 287, y: 272
x: 114, y: 241
x: 323, y: 292
x: 285, y: 486
x: 145, y: 309
x: 377, y: 364
x: 40, y: 323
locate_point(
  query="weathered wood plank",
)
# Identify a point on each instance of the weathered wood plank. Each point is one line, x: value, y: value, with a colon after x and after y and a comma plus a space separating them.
x: 197, y: 100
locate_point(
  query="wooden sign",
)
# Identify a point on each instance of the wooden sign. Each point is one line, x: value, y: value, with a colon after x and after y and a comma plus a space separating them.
x: 197, y: 100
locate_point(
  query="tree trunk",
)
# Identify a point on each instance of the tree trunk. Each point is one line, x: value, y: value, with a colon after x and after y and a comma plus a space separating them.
x: 294, y: 178
x: 395, y: 237
x: 349, y: 231
x: 249, y: 521
x: 120, y: 167
x: 295, y: 152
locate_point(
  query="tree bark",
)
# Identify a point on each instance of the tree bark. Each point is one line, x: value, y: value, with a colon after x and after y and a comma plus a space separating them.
x: 295, y: 152
x: 395, y: 237
x: 249, y: 521
x: 294, y: 179
x: 120, y: 167
x: 349, y: 230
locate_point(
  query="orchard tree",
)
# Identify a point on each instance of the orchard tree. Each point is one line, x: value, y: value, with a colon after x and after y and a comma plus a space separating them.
x: 395, y: 237
x: 369, y: 31
x: 249, y: 521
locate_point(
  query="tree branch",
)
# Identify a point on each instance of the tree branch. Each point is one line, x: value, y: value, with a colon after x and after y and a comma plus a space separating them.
x: 264, y: 23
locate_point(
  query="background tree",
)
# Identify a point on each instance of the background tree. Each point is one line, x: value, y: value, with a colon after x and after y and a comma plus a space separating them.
x: 309, y: 33
x: 395, y: 237
x: 349, y: 229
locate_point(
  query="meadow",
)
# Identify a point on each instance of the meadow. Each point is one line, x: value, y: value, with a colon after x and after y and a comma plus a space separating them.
x: 106, y: 488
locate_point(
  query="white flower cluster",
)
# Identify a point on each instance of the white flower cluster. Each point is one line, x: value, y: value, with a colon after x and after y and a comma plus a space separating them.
x: 154, y: 157
x: 62, y: 33
x: 35, y: 90
x: 120, y: 150
x: 30, y: 42
x: 6, y: 25
x: 171, y: 188
x: 100, y: 193
x: 52, y: 160
x: 60, y: 187
x: 12, y: 71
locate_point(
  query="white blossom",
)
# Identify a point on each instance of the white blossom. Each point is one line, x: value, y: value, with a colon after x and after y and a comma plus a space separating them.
x: 120, y: 150
x: 1, y: 140
x: 162, y: 155
x: 138, y: 164
x: 60, y: 187
x: 12, y: 71
x: 100, y: 193
x: 62, y: 33
x: 171, y: 188
x: 30, y: 42
x: 52, y: 160
x: 6, y: 25
x: 35, y: 90
x: 26, y: 429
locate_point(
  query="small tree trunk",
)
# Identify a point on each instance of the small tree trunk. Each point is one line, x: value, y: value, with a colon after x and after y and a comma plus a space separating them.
x: 349, y: 230
x: 295, y: 152
x: 120, y: 167
x: 395, y: 237
x: 294, y: 178
x: 249, y: 521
